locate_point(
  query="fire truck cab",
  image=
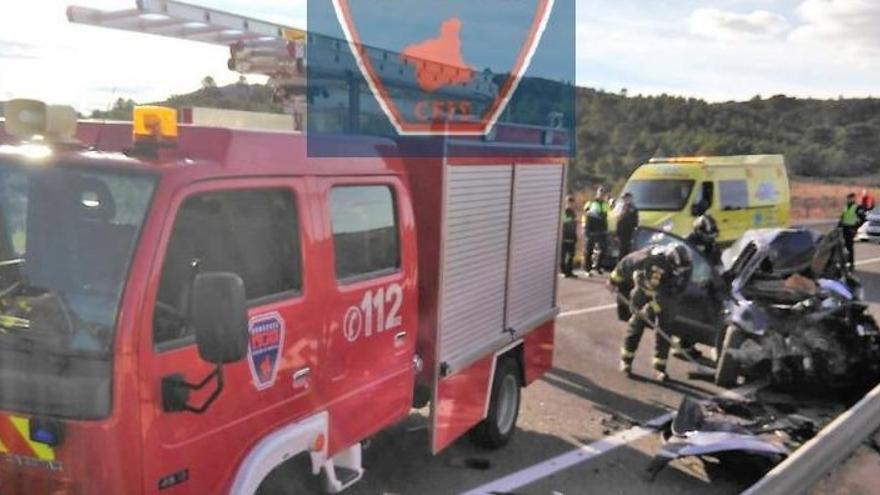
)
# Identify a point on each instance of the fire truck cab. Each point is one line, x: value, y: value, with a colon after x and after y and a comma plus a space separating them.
x: 205, y: 310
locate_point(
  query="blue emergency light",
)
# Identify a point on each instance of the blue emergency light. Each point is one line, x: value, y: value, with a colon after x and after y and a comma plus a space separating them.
x: 47, y: 431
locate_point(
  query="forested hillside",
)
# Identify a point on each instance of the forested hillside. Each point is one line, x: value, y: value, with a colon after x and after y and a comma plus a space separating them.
x: 616, y: 132
x: 820, y: 138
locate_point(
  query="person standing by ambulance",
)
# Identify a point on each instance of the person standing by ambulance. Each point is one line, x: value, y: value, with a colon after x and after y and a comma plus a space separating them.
x: 627, y: 223
x: 569, y: 238
x: 853, y: 217
x: 595, y: 222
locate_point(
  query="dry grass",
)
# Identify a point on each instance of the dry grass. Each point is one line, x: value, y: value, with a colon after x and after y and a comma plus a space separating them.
x: 816, y: 200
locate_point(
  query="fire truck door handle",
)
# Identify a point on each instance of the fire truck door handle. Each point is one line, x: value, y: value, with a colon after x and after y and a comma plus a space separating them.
x: 399, y: 338
x: 301, y: 374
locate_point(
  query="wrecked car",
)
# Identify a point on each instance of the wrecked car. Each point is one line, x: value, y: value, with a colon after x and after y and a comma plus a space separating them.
x: 783, y: 305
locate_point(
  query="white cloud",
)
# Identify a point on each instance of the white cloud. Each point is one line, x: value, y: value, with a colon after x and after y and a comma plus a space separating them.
x: 655, y: 52
x: 647, y: 47
x: 48, y: 58
x: 730, y: 26
x: 850, y: 25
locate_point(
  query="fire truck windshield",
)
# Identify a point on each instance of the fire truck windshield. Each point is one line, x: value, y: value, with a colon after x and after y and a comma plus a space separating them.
x: 67, y: 236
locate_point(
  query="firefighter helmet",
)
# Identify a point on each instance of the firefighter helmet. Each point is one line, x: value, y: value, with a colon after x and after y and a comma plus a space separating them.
x: 680, y: 260
x: 706, y: 228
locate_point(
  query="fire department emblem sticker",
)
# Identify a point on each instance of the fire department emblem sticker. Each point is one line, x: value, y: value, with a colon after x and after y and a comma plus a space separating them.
x: 423, y: 60
x: 265, y: 342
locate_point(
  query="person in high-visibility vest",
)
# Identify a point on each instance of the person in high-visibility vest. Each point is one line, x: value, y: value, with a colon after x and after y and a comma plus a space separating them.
x: 852, y: 218
x: 595, y: 222
x: 569, y: 239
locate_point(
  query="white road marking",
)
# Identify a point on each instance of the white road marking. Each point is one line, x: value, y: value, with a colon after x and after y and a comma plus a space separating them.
x: 594, y: 309
x: 867, y: 261
x: 582, y: 454
x: 553, y: 465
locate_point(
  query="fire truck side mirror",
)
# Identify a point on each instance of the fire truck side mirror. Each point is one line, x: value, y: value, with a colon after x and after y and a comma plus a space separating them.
x: 219, y: 317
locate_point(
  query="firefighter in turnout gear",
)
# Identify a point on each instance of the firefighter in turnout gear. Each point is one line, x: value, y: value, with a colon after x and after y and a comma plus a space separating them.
x: 650, y: 279
x: 703, y: 240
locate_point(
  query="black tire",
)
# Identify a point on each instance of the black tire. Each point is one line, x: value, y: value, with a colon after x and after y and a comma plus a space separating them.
x: 499, y: 426
x: 294, y: 477
x: 727, y: 369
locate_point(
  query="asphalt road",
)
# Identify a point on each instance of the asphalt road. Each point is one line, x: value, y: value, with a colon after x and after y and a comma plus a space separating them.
x: 581, y: 411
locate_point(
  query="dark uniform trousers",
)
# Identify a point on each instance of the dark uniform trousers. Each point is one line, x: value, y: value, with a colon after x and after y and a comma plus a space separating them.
x: 595, y: 239
x: 569, y: 247
x: 849, y: 239
x: 642, y: 302
x: 625, y: 245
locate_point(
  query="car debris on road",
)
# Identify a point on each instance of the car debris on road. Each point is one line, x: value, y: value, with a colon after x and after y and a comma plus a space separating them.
x: 751, y: 432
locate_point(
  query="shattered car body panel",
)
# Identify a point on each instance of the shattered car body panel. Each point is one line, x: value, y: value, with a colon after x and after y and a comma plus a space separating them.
x: 783, y: 304
x: 719, y: 427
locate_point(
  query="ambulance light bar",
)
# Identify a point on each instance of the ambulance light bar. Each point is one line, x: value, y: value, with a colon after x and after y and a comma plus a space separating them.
x: 684, y: 160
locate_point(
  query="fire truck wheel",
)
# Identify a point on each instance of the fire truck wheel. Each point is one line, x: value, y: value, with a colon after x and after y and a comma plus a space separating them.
x: 294, y: 477
x: 496, y: 430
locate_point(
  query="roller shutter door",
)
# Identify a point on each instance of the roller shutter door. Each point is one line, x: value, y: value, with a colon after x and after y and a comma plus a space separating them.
x: 477, y: 219
x: 534, y: 246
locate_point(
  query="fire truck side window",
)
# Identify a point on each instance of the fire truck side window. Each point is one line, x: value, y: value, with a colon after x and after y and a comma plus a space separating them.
x: 365, y: 236
x: 252, y: 233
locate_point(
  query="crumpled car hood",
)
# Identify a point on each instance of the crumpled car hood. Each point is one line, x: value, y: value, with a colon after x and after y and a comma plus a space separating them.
x: 782, y: 251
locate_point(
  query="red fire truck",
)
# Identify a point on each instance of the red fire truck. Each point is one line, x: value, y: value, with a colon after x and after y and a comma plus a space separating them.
x: 200, y: 309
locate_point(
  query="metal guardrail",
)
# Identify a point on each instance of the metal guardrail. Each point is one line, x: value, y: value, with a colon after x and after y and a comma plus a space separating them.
x: 823, y: 452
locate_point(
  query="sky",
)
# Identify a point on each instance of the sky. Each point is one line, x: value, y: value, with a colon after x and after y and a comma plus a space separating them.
x: 714, y: 49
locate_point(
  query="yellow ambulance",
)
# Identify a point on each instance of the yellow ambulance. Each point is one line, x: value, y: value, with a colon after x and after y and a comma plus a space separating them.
x: 740, y: 192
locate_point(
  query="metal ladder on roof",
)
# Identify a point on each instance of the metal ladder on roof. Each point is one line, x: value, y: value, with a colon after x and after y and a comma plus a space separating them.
x: 269, y: 49
x: 277, y: 51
